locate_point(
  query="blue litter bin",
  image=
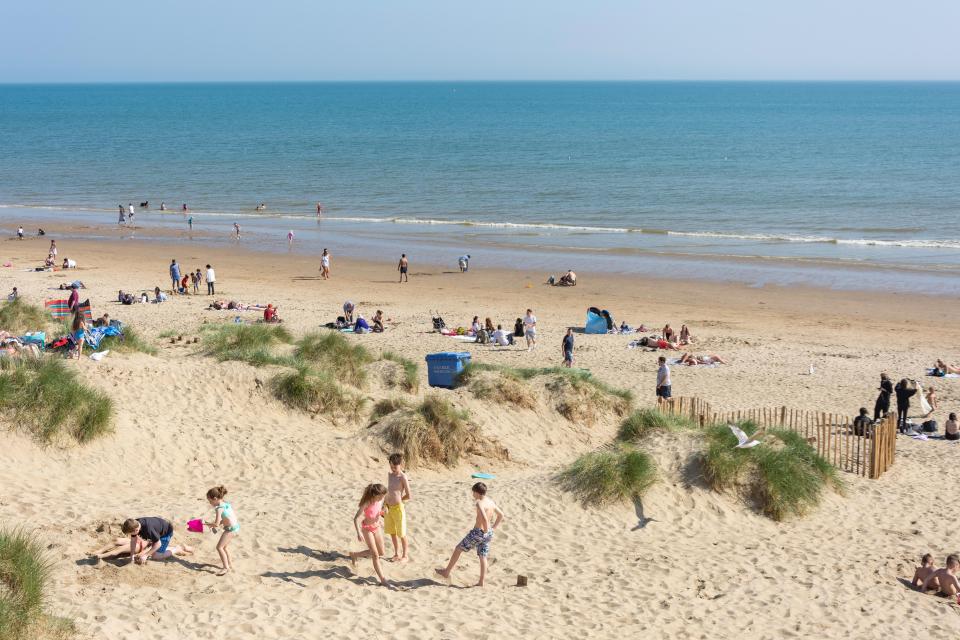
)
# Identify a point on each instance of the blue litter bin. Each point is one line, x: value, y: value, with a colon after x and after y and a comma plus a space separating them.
x: 443, y: 369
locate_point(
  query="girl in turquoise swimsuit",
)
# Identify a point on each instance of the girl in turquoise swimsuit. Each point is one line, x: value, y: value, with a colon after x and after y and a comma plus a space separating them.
x: 224, y: 517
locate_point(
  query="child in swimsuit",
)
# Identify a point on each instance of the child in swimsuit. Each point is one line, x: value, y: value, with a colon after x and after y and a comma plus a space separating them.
x: 367, y: 524
x: 223, y: 517
x: 489, y: 517
x: 924, y: 571
x: 395, y: 522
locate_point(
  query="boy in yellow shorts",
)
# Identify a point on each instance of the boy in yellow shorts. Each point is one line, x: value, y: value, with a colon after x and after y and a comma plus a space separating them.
x: 395, y: 522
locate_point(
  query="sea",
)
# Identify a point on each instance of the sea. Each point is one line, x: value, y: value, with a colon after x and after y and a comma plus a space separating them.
x: 838, y: 185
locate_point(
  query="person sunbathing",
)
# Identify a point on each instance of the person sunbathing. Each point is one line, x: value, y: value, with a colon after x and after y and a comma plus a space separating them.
x: 657, y: 343
x: 943, y: 368
x: 691, y: 360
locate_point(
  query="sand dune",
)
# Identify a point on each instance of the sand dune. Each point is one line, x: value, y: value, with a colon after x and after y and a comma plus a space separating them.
x: 703, y: 565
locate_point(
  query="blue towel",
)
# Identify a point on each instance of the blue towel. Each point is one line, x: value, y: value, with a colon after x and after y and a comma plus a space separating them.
x: 94, y: 335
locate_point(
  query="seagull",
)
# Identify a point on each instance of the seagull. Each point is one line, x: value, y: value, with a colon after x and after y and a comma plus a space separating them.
x: 743, y: 440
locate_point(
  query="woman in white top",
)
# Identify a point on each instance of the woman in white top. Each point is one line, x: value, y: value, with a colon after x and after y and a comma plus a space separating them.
x: 325, y: 265
x: 530, y: 329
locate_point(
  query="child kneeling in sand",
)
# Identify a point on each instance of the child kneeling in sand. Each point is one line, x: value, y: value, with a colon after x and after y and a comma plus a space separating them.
x: 149, y: 538
x: 481, y: 535
x: 370, y: 513
x: 944, y: 580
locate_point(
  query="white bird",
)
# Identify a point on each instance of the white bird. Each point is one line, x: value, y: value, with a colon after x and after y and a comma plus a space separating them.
x: 743, y: 440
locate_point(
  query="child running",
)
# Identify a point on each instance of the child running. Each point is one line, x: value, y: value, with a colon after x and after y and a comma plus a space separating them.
x: 923, y: 571
x: 395, y: 522
x: 370, y: 512
x: 223, y: 516
x: 149, y: 538
x: 481, y: 535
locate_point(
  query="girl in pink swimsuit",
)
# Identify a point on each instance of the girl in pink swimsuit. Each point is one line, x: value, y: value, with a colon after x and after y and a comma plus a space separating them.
x: 366, y: 522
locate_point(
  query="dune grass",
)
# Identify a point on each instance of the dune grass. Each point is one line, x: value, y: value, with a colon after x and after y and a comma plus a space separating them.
x: 410, y: 381
x: 620, y: 473
x: 385, y: 407
x: 640, y: 424
x: 332, y: 351
x: 47, y: 398
x: 435, y: 432
x: 19, y: 317
x: 24, y: 575
x: 784, y: 474
x: 251, y: 343
x: 579, y: 395
x: 315, y: 391
x: 500, y: 386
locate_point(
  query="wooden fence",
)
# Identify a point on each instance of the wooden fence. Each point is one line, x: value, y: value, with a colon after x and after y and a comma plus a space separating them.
x: 832, y: 434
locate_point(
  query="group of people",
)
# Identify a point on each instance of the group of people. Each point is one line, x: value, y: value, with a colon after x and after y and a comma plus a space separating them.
x: 181, y: 282
x: 943, y: 580
x: 381, y: 511
x: 904, y: 390
x: 358, y: 323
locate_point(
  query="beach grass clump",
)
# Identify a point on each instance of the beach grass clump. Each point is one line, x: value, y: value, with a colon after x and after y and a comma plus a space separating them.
x: 784, y: 474
x: 332, y: 351
x: 435, y: 431
x: 612, y: 475
x: 130, y: 342
x: 251, y: 343
x: 385, y: 407
x: 19, y: 317
x: 47, y: 398
x: 501, y: 386
x: 640, y: 424
x: 24, y: 576
x: 315, y: 392
x: 410, y: 380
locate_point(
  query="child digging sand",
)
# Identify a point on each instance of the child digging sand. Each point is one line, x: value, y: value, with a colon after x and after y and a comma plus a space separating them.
x: 395, y: 522
x: 481, y: 535
x: 923, y: 571
x: 370, y: 512
x: 149, y: 538
x: 223, y: 516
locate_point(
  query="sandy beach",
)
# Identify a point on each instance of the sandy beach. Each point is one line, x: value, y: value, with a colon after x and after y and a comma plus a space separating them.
x: 704, y: 565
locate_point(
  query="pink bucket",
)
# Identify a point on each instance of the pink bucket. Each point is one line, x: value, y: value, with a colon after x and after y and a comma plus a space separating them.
x: 195, y: 526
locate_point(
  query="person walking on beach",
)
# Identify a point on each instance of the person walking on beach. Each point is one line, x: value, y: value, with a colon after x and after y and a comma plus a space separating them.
x: 290, y: 237
x: 325, y: 265
x: 123, y: 216
x: 236, y: 230
x: 53, y: 248
x: 489, y: 517
x: 20, y: 232
x: 367, y: 519
x: 190, y: 223
x: 175, y: 274
x: 663, y: 379
x: 395, y: 522
x: 530, y: 329
x: 319, y: 209
x: 211, y: 281
x: 403, y: 267
x: 567, y: 348
x: 130, y: 212
x: 464, y: 263
x: 882, y: 406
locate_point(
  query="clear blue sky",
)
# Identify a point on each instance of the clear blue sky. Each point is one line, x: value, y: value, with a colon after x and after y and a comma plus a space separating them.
x: 133, y: 40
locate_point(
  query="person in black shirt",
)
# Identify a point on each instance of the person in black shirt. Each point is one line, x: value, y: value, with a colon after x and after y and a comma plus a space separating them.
x: 882, y: 406
x: 155, y: 534
x: 568, y: 349
x: 903, y: 402
x: 862, y: 423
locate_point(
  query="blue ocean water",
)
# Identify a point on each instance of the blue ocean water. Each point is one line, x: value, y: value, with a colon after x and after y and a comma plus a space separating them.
x: 778, y: 179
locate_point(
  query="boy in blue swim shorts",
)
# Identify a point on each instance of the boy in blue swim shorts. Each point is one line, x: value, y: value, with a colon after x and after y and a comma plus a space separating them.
x: 489, y: 517
x: 150, y: 538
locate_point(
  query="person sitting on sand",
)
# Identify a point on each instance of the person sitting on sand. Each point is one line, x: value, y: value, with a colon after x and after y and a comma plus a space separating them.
x: 501, y: 337
x: 159, y: 296
x: 518, y: 328
x: 378, y: 322
x: 943, y: 368
x: 924, y: 571
x: 668, y: 334
x: 691, y: 360
x: 102, y: 321
x: 144, y: 298
x: 944, y: 580
x: 69, y: 264
x: 367, y: 520
x: 932, y: 401
x: 361, y: 325
x: 475, y: 325
x: 489, y: 517
x: 155, y: 534
x: 862, y: 423
x: 270, y: 314
x: 685, y: 337
x: 184, y: 281
x: 488, y: 325
x: 13, y: 295
x: 951, y: 430
x: 569, y: 279
x: 49, y: 262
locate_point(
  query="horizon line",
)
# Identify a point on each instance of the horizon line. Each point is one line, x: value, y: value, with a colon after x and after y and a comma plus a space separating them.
x: 494, y: 81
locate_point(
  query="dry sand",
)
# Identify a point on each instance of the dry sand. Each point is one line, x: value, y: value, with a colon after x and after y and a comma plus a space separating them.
x: 704, y: 566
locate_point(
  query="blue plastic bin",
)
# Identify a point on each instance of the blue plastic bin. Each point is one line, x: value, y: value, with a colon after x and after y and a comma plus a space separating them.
x: 443, y: 369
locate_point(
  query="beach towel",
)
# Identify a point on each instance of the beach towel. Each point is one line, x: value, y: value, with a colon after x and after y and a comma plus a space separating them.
x: 94, y: 335
x: 933, y: 372
x: 38, y: 338
x: 60, y: 309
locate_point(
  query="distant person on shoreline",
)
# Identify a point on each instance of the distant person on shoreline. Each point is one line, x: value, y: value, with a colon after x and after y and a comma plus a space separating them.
x: 464, y: 263
x: 325, y: 265
x: 190, y: 223
x: 882, y: 406
x: 175, y: 274
x: 211, y: 281
x: 403, y: 267
x: 488, y: 517
x: 130, y: 213
x: 236, y: 229
x: 163, y: 206
x: 319, y: 209
x: 569, y: 279
x: 184, y: 209
x: 290, y: 237
x: 20, y: 232
x: 123, y: 215
x: 664, y: 387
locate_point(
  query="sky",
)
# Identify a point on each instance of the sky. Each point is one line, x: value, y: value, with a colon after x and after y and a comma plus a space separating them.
x: 289, y: 40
